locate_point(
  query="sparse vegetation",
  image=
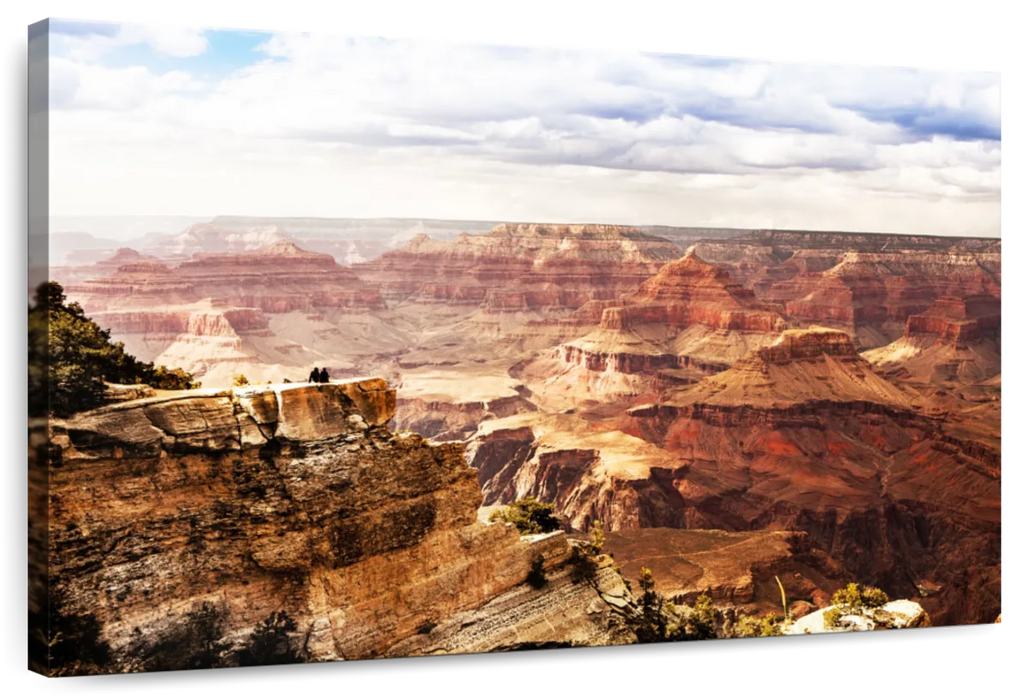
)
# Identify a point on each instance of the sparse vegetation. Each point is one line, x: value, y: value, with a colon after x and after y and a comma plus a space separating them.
x: 530, y: 516
x: 240, y: 380
x: 768, y: 626
x: 659, y: 620
x: 272, y: 642
x: 701, y: 621
x: 70, y: 358
x: 831, y: 617
x: 853, y: 599
x: 537, y: 577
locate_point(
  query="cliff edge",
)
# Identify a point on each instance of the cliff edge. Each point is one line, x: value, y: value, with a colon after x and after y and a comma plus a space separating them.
x: 296, y: 499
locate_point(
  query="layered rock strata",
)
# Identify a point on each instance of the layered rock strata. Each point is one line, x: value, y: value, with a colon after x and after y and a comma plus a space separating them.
x: 871, y: 295
x: 955, y: 340
x: 801, y: 435
x: 521, y: 267
x: 689, y: 320
x: 297, y: 498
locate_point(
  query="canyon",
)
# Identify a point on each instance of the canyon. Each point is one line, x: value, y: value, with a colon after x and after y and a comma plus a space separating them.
x: 827, y: 403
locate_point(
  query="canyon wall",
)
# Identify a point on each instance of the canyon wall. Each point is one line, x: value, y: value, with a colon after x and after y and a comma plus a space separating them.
x: 297, y: 499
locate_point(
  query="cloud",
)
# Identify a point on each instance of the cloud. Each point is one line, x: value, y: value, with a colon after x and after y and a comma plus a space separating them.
x: 334, y: 107
x: 89, y: 41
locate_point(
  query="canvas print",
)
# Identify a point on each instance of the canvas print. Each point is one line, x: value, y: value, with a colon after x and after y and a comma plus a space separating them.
x: 360, y: 348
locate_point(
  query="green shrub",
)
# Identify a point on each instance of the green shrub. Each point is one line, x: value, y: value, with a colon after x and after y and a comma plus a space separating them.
x: 173, y: 379
x: 701, y: 620
x: 874, y: 598
x: 852, y: 598
x: 240, y: 380
x: 831, y: 617
x: 530, y: 516
x: 768, y: 626
x: 658, y: 620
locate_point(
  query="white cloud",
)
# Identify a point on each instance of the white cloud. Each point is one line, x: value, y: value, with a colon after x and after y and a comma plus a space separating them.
x: 342, y: 127
x: 180, y: 42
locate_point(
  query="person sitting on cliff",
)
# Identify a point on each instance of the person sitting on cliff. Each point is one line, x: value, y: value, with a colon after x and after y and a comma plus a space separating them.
x: 314, y: 376
x: 324, y: 375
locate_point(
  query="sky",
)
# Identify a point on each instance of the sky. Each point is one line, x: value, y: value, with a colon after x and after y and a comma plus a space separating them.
x: 171, y: 121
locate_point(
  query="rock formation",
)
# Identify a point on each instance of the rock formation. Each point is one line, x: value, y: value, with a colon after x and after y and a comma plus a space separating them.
x: 518, y: 267
x: 897, y: 614
x: 215, y: 238
x: 687, y: 321
x: 220, y: 314
x: 955, y: 340
x: 69, y: 275
x: 296, y: 498
x: 871, y: 295
x: 278, y: 278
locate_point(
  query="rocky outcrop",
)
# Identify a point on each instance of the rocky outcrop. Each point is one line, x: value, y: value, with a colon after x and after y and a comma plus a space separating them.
x: 297, y: 498
x: 897, y: 614
x: 221, y: 314
x: 458, y: 420
x: 74, y: 274
x: 216, y: 238
x: 114, y: 393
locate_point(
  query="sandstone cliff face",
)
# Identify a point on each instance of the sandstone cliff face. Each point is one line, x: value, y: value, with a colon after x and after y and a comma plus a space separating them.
x: 69, y: 275
x: 278, y: 278
x: 297, y: 498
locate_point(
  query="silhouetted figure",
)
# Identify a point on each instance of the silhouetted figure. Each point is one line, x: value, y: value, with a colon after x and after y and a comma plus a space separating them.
x: 324, y: 376
x: 314, y: 376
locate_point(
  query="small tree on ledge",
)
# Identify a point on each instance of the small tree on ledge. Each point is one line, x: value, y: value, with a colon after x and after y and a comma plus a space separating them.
x: 530, y: 516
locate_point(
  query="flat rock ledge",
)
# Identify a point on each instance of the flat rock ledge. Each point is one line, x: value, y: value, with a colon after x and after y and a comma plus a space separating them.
x: 213, y: 420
